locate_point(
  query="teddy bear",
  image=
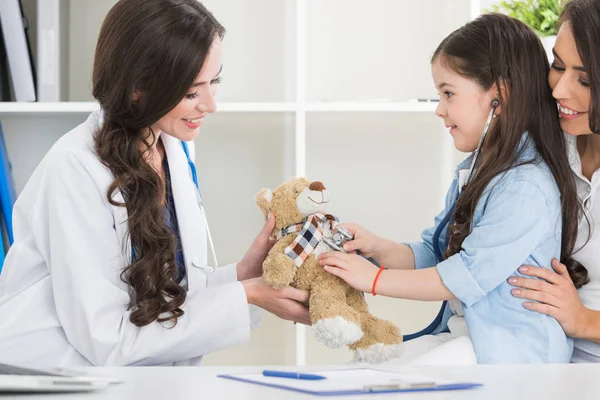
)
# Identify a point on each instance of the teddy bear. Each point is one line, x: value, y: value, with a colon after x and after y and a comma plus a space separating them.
x: 338, y: 312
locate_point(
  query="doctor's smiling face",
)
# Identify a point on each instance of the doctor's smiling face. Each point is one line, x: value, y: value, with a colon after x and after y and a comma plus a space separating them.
x: 464, y: 105
x: 183, y: 121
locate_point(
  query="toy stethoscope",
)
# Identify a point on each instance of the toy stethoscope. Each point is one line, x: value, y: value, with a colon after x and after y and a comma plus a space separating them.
x: 440, y: 228
x: 194, y: 177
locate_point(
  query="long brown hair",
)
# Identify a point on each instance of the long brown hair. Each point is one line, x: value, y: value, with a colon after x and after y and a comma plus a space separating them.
x: 584, y: 18
x: 148, y: 55
x: 495, y: 49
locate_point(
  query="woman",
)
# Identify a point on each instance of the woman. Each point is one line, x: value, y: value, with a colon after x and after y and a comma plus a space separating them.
x: 109, y: 264
x: 575, y: 81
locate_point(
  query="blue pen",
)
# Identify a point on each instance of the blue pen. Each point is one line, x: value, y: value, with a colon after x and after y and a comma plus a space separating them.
x: 292, y: 375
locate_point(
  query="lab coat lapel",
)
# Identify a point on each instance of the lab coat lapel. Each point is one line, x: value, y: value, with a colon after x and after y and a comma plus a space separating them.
x: 190, y: 218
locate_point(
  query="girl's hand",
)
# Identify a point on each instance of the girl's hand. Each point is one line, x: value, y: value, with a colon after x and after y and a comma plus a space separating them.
x: 369, y: 244
x: 352, y: 268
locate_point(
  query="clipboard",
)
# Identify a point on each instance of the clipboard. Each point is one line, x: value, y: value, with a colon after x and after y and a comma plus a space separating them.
x: 344, y: 382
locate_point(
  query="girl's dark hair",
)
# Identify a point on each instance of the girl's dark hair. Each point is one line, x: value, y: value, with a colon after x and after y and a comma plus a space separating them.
x: 495, y: 49
x: 584, y: 19
x: 148, y: 55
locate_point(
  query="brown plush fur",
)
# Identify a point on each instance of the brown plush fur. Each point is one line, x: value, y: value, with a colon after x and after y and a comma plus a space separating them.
x: 330, y: 296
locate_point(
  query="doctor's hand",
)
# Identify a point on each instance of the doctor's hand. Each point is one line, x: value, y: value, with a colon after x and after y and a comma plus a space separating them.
x: 287, y: 303
x: 352, y: 268
x: 250, y: 266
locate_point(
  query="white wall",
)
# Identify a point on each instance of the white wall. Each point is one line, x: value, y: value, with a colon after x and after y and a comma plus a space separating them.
x: 257, y: 63
x: 376, y: 50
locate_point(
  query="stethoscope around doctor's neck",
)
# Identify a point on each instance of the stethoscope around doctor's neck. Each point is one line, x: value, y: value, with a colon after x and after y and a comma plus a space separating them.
x: 446, y: 220
x: 194, y: 176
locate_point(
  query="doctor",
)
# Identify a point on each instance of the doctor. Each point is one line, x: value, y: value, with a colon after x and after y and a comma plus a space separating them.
x: 109, y: 264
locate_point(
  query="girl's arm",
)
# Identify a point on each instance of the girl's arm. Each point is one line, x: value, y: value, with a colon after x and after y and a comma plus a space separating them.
x: 515, y: 221
x: 391, y: 254
x: 423, y: 284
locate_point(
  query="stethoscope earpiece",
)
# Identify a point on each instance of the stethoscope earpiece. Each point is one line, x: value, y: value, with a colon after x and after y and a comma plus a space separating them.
x: 495, y: 103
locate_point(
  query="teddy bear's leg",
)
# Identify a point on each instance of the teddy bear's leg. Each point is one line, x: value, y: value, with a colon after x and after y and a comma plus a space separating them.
x: 335, y: 322
x: 279, y: 270
x: 382, y: 340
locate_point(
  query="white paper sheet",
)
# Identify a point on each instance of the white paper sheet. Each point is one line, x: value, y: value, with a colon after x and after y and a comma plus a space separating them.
x: 361, y: 379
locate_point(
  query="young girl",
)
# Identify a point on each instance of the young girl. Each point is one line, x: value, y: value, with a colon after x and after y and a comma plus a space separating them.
x: 511, y: 202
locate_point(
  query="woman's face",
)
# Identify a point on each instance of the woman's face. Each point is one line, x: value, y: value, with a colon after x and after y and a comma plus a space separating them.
x: 183, y: 122
x: 570, y: 84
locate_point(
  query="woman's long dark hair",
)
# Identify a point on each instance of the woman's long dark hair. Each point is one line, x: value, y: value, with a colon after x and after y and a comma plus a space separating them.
x: 495, y: 49
x: 148, y: 55
x: 584, y: 19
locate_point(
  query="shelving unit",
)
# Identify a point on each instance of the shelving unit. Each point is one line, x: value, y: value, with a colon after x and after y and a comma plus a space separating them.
x: 318, y: 88
x: 89, y: 106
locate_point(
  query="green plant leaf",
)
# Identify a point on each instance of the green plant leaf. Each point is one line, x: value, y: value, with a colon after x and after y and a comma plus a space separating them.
x: 541, y: 15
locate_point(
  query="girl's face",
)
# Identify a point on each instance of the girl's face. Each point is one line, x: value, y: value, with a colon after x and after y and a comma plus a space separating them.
x: 570, y: 84
x: 183, y: 122
x: 464, y: 106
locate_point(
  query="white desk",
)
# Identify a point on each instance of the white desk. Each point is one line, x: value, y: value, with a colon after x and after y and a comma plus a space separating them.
x: 544, y: 382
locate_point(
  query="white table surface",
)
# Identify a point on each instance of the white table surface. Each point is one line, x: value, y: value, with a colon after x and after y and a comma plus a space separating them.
x: 544, y: 382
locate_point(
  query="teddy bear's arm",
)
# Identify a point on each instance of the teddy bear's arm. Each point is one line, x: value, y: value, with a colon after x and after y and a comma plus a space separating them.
x: 278, y: 269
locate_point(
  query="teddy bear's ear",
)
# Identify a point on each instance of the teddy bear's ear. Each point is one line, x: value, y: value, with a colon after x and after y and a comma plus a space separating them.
x: 263, y: 200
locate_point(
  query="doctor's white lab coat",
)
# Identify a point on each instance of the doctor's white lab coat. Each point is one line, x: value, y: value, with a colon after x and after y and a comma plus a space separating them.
x: 62, y: 301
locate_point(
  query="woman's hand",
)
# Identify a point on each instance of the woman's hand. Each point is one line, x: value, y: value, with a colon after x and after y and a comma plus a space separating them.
x: 287, y: 303
x: 250, y: 266
x: 352, y: 268
x: 554, y: 295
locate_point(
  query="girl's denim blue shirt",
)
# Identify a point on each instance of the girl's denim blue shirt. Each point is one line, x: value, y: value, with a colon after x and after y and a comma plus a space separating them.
x: 517, y: 221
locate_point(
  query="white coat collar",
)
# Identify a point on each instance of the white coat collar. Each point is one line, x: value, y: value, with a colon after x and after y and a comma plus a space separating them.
x: 190, y: 218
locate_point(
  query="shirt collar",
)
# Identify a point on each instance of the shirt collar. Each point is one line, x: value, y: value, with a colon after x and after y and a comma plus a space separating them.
x: 573, y: 155
x: 583, y: 184
x: 526, y: 145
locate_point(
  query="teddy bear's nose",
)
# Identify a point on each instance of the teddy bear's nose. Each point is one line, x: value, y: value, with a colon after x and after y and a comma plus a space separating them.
x: 317, y: 186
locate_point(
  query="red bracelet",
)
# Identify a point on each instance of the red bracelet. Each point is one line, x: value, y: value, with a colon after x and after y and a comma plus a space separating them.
x: 375, y: 280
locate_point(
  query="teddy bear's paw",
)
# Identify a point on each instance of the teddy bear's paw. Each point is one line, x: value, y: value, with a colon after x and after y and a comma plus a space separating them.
x: 278, y: 281
x: 378, y: 353
x: 276, y: 284
x: 337, y: 332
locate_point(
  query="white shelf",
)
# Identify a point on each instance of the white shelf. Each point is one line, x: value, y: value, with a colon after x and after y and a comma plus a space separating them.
x: 407, y: 106
x: 87, y: 107
x: 256, y: 107
x: 44, y: 108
